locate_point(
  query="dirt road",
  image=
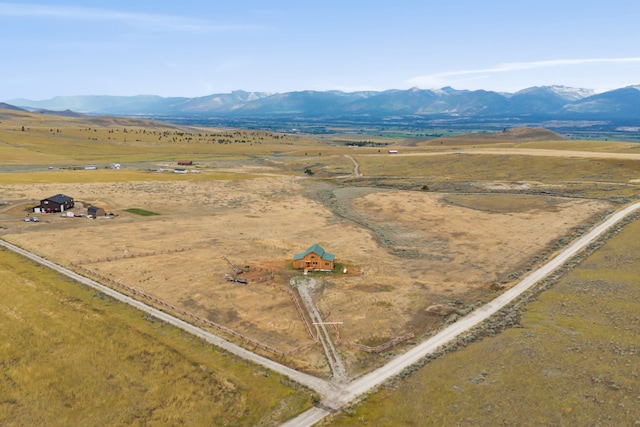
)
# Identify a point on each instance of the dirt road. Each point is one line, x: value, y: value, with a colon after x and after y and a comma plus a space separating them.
x: 555, y: 153
x: 8, y: 207
x: 337, y: 367
x: 356, y: 165
x: 522, y: 152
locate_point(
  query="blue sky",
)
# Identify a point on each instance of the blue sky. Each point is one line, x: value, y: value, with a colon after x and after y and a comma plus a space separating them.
x: 196, y: 48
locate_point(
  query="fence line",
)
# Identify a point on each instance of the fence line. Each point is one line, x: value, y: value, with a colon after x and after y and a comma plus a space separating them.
x: 130, y: 256
x: 183, y: 312
x: 301, y: 348
x: 382, y: 347
x: 296, y: 302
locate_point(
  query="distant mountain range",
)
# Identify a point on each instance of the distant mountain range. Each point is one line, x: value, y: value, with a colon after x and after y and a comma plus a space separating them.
x: 550, y: 102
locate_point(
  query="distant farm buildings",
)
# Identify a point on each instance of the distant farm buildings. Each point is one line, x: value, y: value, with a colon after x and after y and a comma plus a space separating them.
x: 314, y: 258
x: 57, y: 203
x: 95, y: 212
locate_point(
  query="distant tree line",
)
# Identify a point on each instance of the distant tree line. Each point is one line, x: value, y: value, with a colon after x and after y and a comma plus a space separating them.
x: 366, y: 143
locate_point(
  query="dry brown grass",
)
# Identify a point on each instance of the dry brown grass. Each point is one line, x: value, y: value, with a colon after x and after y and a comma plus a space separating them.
x: 405, y: 251
x: 28, y: 138
x: 415, y: 259
x: 509, y: 136
x: 70, y: 356
x: 574, y: 362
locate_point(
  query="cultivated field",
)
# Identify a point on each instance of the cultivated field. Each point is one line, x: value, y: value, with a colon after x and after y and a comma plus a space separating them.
x: 425, y: 236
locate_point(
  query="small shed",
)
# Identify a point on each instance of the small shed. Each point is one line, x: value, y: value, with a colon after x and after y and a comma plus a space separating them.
x: 314, y: 258
x: 95, y: 211
x: 57, y: 203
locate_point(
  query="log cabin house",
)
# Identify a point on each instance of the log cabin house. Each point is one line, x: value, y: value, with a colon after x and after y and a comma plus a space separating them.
x: 314, y: 258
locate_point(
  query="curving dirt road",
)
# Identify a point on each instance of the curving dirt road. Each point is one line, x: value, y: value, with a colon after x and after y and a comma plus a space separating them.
x: 356, y: 165
x: 6, y: 208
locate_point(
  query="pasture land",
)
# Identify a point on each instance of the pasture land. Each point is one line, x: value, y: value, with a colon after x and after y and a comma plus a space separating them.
x: 71, y: 356
x: 113, y: 176
x: 568, y: 176
x: 426, y: 236
x: 413, y: 258
x: 573, y: 360
x: 39, y: 139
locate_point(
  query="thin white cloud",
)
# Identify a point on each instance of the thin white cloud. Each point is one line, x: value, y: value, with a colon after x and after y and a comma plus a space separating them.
x: 450, y: 77
x: 149, y: 21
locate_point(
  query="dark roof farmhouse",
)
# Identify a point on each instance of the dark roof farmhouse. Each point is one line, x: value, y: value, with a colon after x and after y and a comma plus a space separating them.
x: 57, y: 203
x: 314, y: 258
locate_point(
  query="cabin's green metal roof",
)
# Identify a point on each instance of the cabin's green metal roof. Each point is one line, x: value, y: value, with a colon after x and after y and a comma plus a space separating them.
x: 316, y: 248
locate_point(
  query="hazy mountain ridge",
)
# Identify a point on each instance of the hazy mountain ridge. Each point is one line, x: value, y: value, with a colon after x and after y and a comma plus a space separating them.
x: 5, y: 106
x: 556, y: 101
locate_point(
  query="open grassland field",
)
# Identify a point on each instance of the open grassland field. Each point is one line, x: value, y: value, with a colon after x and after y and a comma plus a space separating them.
x: 593, y: 146
x: 573, y: 362
x: 70, y: 356
x: 112, y: 176
x: 412, y: 257
x: 572, y: 176
x: 425, y: 236
x: 508, y: 138
x: 27, y: 138
x: 522, y: 138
